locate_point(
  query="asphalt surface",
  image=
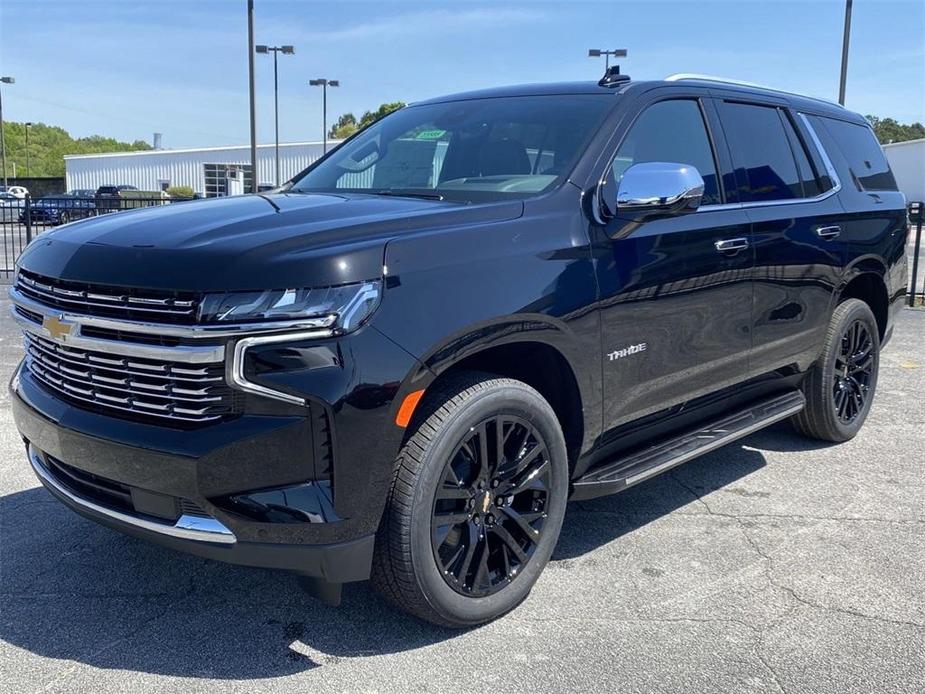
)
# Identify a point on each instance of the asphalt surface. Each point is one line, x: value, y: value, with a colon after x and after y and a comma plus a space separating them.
x: 775, y: 564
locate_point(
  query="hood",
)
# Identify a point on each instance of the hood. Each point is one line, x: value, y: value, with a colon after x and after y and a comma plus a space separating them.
x: 245, y: 242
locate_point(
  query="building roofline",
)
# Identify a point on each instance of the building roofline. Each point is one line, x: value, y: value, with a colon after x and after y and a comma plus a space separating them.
x: 187, y: 150
x: 916, y: 141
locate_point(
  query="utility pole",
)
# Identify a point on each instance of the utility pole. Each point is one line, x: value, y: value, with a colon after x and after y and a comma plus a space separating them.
x: 324, y: 84
x: 28, y: 156
x: 4, y: 80
x: 253, y: 99
x: 844, y: 53
x: 287, y: 50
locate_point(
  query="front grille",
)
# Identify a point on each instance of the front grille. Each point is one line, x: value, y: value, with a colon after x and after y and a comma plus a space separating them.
x: 108, y: 301
x: 131, y: 387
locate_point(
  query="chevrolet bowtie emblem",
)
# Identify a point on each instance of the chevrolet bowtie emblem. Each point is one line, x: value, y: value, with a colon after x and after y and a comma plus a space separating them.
x: 57, y: 328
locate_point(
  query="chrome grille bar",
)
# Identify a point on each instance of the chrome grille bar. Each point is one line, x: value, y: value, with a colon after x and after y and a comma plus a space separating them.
x: 69, y: 296
x: 162, y: 390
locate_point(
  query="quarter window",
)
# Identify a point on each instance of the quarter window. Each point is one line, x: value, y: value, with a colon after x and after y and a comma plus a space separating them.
x: 671, y: 131
x: 765, y: 168
x: 869, y: 167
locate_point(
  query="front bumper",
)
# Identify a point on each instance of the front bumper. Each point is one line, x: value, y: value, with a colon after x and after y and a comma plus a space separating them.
x: 338, y: 551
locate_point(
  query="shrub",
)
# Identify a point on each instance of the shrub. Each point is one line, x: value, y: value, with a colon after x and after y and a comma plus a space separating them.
x: 180, y: 192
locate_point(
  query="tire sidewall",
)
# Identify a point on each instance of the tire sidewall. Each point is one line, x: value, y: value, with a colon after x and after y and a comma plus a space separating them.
x: 857, y: 310
x: 521, y: 401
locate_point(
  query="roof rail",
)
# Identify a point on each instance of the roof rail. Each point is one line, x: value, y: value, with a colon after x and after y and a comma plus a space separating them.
x: 683, y: 76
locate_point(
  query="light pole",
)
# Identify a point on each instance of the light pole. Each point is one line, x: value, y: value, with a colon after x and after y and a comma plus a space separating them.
x: 3, y: 80
x: 288, y: 50
x: 844, y: 54
x: 324, y: 84
x: 253, y: 98
x: 616, y: 53
x: 28, y: 156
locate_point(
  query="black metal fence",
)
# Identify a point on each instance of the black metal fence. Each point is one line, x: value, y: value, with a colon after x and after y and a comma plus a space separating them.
x: 917, y: 272
x: 21, y: 219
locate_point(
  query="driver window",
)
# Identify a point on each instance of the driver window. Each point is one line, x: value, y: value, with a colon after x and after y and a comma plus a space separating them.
x: 670, y: 131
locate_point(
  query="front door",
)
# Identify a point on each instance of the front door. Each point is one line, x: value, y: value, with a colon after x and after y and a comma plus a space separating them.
x: 675, y: 311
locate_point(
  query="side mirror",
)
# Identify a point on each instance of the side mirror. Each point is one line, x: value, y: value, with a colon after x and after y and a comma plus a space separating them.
x: 658, y: 189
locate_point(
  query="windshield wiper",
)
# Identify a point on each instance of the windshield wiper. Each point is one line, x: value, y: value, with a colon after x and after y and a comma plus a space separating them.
x: 409, y: 194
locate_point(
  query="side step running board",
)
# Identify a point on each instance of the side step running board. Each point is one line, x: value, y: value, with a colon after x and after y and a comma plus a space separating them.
x: 623, y: 472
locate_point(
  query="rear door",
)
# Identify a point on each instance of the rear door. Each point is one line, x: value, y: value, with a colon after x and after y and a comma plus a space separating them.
x: 675, y: 311
x: 797, y: 230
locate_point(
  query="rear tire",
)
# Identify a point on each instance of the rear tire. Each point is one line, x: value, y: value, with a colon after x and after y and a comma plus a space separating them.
x: 840, y: 386
x: 468, y: 530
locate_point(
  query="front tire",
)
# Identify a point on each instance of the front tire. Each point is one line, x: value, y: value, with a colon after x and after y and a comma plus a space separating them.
x: 476, y: 503
x: 840, y: 386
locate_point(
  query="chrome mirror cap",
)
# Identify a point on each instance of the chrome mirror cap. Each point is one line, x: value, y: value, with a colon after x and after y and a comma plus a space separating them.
x: 659, y: 188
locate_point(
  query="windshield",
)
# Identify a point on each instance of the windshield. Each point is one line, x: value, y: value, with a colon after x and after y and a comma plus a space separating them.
x: 481, y: 149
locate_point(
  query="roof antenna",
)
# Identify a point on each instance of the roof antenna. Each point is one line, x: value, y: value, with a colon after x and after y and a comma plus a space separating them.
x: 613, y: 77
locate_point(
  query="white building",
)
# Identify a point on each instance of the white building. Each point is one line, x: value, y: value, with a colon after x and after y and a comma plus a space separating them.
x: 907, y: 159
x: 210, y: 172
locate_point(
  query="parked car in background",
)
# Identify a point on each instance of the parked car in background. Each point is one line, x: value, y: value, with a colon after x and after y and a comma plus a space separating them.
x: 16, y: 191
x: 56, y: 210
x: 82, y: 193
x: 124, y: 197
x: 108, y: 197
x: 9, y: 206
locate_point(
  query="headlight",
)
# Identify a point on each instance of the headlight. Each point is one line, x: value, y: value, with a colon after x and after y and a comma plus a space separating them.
x: 343, y: 308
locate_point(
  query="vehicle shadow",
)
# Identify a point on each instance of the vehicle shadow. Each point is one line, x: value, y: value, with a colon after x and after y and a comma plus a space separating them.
x: 74, y: 591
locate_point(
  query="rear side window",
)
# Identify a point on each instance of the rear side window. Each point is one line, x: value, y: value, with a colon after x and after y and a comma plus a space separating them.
x: 671, y: 131
x: 761, y: 152
x: 857, y: 143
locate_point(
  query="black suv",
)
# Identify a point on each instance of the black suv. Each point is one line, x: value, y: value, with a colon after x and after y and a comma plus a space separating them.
x: 403, y: 363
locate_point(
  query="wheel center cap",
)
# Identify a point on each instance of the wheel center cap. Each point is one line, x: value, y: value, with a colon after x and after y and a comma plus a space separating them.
x: 486, y: 502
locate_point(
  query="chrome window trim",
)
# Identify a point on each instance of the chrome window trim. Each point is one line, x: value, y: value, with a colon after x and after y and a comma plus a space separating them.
x: 235, y: 367
x: 829, y: 170
x: 185, y: 528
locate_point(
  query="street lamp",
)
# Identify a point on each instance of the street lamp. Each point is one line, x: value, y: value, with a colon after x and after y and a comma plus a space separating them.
x: 616, y: 53
x: 844, y: 54
x: 28, y: 157
x: 288, y: 50
x: 3, y: 80
x: 324, y: 84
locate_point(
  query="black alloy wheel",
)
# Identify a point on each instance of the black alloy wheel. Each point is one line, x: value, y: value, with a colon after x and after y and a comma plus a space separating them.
x: 490, y: 507
x: 478, y: 495
x: 840, y: 386
x: 854, y: 365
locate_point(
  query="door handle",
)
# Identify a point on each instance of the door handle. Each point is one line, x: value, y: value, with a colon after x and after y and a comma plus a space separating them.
x: 727, y: 245
x: 828, y: 233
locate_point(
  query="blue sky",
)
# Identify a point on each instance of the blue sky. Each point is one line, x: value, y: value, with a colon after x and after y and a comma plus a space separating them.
x: 129, y: 68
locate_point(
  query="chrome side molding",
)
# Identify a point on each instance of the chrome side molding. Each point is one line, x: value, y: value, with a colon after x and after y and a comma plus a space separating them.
x: 186, y: 527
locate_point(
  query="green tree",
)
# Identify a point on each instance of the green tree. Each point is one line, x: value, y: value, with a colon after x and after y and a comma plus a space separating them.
x: 371, y: 117
x: 49, y: 144
x: 347, y: 124
x: 889, y: 130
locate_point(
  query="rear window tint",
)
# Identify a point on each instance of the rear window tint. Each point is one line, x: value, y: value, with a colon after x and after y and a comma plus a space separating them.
x: 761, y: 153
x: 860, y: 148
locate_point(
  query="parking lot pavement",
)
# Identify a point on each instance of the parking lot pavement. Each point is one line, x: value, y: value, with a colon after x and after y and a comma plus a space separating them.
x: 775, y: 564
